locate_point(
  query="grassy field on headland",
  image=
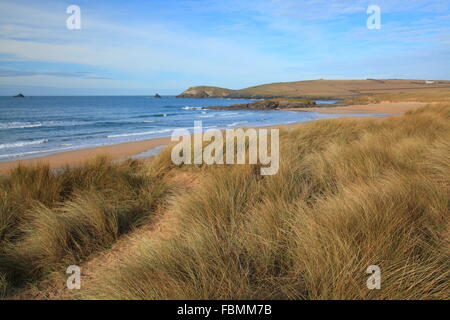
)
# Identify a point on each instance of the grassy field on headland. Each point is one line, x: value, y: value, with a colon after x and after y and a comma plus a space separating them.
x: 422, y: 95
x: 326, y: 89
x: 350, y: 193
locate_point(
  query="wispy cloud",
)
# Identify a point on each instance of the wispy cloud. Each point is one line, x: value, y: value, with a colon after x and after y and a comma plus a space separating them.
x: 79, y: 74
x: 172, y: 45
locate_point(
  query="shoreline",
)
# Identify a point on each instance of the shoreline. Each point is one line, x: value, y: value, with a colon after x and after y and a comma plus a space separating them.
x: 116, y: 152
x: 129, y: 149
x: 78, y: 157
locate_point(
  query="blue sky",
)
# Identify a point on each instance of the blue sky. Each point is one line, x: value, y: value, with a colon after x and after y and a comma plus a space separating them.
x: 144, y: 47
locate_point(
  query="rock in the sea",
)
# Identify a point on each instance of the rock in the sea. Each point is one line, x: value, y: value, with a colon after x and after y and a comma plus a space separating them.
x: 19, y: 96
x: 157, y: 96
x: 269, y: 104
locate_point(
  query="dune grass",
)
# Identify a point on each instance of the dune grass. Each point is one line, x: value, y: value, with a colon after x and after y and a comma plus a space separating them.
x: 350, y: 193
x: 50, y: 220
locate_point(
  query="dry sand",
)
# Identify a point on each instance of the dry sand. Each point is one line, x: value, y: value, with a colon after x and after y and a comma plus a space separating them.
x: 389, y: 107
x: 124, y: 150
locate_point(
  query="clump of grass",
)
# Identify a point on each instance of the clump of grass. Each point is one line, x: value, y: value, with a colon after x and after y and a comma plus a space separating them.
x: 349, y: 194
x: 3, y: 285
x: 394, y: 223
x: 49, y: 220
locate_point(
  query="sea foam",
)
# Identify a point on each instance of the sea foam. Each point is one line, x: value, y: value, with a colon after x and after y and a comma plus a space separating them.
x: 138, y: 133
x: 22, y: 144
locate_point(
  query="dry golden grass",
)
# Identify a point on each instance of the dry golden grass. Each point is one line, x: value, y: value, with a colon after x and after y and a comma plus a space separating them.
x: 350, y: 193
x: 418, y: 95
x: 50, y: 220
x: 323, y: 89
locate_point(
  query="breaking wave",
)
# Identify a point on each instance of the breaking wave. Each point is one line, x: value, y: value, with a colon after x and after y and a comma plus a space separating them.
x: 22, y: 144
x: 139, y: 133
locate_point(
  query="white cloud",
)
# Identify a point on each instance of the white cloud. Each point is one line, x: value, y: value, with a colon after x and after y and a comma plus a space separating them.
x: 146, y: 48
x: 243, y: 51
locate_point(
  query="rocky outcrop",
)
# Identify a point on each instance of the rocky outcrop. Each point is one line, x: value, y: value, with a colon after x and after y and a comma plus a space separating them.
x: 269, y: 104
x: 19, y: 96
x: 205, y: 92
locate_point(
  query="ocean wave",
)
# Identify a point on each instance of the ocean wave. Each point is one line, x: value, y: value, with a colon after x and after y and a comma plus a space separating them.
x: 157, y: 115
x: 30, y: 153
x: 19, y: 125
x: 65, y: 123
x: 23, y: 125
x: 192, y: 108
x: 234, y: 124
x: 228, y: 114
x: 22, y: 144
x: 138, y: 133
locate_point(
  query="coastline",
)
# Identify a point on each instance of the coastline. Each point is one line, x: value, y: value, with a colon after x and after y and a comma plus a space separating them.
x: 128, y: 149
x: 78, y: 157
x: 114, y: 152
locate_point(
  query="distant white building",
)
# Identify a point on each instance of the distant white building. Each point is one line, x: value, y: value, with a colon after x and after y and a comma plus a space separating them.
x: 429, y: 81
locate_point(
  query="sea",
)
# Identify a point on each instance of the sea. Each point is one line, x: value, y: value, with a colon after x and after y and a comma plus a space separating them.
x: 37, y: 126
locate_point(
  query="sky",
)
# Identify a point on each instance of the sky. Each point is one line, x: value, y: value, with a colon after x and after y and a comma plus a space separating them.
x: 143, y: 47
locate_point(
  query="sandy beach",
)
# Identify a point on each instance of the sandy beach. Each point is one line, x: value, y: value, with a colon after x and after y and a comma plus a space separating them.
x: 388, y: 107
x: 77, y: 157
x: 124, y: 150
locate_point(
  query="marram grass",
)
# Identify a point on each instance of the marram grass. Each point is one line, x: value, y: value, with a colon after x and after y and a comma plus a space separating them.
x: 349, y: 193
